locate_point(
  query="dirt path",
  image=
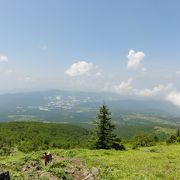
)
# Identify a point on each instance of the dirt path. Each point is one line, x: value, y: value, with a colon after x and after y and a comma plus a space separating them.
x: 48, y: 175
x: 71, y: 166
x: 75, y: 167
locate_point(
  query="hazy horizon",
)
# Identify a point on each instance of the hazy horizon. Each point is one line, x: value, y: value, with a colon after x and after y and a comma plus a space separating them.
x: 126, y: 47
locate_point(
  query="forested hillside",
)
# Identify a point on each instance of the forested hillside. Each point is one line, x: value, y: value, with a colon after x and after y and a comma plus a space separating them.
x: 28, y: 136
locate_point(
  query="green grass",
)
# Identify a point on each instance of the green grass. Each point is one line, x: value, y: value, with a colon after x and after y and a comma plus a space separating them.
x: 157, y: 162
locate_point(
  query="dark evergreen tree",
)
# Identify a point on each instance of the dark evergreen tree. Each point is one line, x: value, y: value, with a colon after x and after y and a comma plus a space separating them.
x: 172, y: 139
x: 106, y: 139
x: 156, y: 139
x: 178, y: 133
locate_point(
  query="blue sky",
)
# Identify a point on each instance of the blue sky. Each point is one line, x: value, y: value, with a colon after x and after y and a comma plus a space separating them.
x: 87, y: 45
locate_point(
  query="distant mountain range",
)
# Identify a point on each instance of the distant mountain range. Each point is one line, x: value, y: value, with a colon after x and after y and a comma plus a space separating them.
x: 72, y: 106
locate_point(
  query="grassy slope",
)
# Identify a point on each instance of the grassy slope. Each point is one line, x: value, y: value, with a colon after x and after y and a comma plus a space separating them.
x: 164, y: 163
x: 158, y: 162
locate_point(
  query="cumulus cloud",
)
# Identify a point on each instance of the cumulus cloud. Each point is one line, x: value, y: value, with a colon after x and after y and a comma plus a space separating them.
x: 174, y: 97
x: 27, y: 78
x: 123, y: 87
x: 126, y: 87
x: 134, y: 60
x: 3, y: 58
x: 8, y: 72
x: 178, y: 72
x: 98, y: 74
x: 79, y: 68
x: 154, y: 91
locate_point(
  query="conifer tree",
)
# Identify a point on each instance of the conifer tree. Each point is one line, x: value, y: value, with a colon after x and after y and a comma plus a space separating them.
x: 105, y: 137
x: 178, y: 133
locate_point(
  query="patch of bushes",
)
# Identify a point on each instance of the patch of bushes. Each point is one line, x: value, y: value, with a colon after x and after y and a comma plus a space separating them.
x: 60, y: 164
x: 59, y: 172
x: 5, y: 151
x: 143, y: 141
x: 174, y: 138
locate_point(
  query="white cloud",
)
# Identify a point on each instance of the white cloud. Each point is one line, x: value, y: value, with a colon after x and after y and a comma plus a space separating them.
x: 123, y: 87
x: 8, y: 72
x: 143, y: 69
x: 27, y: 78
x: 79, y: 68
x: 178, y: 72
x: 98, y: 74
x: 3, y: 58
x: 126, y: 87
x: 174, y: 97
x: 157, y: 90
x: 134, y: 60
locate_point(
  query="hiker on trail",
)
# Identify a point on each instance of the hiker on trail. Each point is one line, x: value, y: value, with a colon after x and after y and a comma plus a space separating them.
x: 49, y: 157
x: 46, y: 158
x: 5, y: 176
